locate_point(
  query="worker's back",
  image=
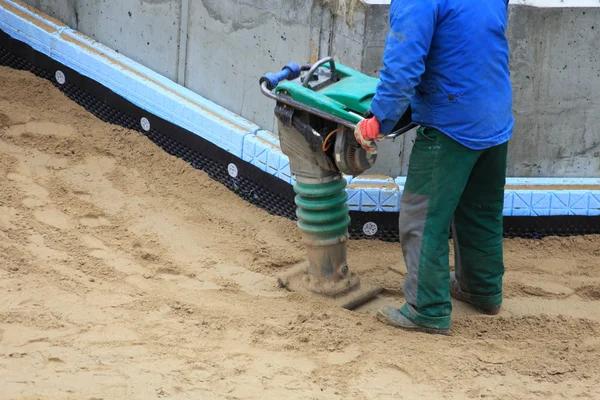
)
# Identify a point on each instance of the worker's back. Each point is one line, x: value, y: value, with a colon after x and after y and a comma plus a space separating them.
x: 465, y: 90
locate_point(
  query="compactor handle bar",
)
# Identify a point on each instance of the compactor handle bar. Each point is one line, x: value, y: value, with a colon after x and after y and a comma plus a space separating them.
x: 269, y: 82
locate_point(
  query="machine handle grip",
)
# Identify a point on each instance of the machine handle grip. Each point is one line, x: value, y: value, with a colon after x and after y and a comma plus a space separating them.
x: 272, y: 79
x: 306, y: 80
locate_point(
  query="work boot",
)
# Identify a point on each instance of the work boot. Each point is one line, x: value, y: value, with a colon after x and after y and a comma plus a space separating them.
x: 393, y: 317
x: 459, y: 294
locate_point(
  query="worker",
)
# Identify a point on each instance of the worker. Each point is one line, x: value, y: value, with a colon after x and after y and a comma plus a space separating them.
x: 447, y: 60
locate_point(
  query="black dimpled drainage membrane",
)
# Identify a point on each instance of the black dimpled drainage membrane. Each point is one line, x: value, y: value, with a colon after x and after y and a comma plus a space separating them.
x: 252, y: 184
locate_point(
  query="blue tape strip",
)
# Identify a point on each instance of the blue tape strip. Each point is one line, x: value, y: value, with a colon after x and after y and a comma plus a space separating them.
x: 172, y: 102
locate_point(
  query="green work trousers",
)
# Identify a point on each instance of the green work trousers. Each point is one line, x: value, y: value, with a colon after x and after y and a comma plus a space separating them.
x: 451, y: 185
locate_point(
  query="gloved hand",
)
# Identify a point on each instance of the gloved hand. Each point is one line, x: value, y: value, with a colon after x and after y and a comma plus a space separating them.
x: 366, y: 132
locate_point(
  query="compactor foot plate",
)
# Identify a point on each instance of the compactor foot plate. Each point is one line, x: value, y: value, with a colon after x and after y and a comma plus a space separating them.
x: 358, y: 293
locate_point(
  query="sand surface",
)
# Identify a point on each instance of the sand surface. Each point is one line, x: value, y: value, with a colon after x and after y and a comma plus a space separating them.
x: 127, y: 274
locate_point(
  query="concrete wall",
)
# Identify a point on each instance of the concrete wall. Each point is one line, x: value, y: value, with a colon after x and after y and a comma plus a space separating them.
x: 219, y: 48
x: 146, y: 31
x: 231, y: 44
x: 555, y: 63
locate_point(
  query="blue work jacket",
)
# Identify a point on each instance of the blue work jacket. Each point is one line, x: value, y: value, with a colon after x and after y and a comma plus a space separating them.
x: 448, y: 59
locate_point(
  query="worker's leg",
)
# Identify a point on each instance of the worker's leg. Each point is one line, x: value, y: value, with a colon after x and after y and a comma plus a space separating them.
x: 438, y: 172
x: 477, y: 228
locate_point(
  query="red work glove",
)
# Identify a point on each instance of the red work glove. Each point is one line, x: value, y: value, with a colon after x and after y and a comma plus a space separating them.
x: 366, y: 132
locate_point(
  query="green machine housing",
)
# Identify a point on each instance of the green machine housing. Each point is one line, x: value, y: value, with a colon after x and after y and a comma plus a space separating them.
x: 339, y: 91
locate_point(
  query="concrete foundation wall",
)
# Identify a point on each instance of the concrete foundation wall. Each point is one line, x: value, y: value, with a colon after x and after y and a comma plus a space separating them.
x: 146, y: 31
x: 230, y: 44
x: 555, y: 63
x: 219, y: 48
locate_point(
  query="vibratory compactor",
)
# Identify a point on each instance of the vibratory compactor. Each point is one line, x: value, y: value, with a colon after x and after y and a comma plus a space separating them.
x: 317, y: 108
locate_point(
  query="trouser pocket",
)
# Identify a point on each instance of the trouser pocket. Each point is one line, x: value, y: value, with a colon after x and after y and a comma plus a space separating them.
x: 427, y: 133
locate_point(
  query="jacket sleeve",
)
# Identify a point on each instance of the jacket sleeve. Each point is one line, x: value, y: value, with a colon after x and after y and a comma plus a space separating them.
x: 412, y: 24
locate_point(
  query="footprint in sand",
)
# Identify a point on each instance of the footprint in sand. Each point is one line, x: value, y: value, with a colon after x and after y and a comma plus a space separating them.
x: 544, y: 289
x: 349, y: 354
x: 36, y: 195
x: 13, y: 177
x: 107, y: 334
x: 392, y: 382
x: 53, y: 217
x: 32, y: 202
x: 184, y: 282
x: 7, y: 217
x: 574, y: 307
x: 111, y: 257
x: 94, y: 221
x: 92, y: 243
x: 41, y: 128
x: 37, y: 246
x: 250, y: 282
